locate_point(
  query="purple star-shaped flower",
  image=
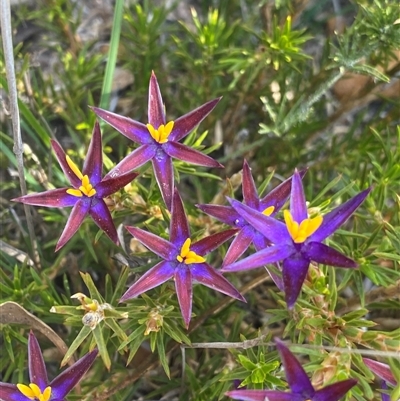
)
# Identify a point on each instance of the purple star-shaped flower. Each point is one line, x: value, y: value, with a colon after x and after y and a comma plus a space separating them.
x: 298, y: 240
x: 159, y: 140
x: 182, y: 261
x: 87, y: 193
x: 268, y: 205
x: 383, y: 372
x: 39, y: 387
x: 299, y: 383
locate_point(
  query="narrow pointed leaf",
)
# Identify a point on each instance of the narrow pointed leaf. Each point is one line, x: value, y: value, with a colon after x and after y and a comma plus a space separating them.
x: 324, y: 254
x: 157, y: 275
x: 101, y: 345
x: 134, y: 130
x: 156, y: 244
x: 190, y: 155
x: 85, y: 331
x: 93, y: 166
x: 185, y: 124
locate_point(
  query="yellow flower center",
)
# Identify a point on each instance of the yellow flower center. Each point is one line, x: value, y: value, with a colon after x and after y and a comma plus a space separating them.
x: 187, y: 256
x: 300, y: 232
x: 161, y: 134
x: 86, y: 188
x: 33, y: 392
x: 269, y: 210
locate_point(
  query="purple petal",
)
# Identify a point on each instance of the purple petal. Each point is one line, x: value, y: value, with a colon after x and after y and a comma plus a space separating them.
x: 132, y: 129
x: 75, y: 219
x: 112, y: 185
x: 134, y: 160
x: 208, y: 244
x: 184, y: 291
x: 70, y: 377
x: 335, y: 218
x: 226, y: 214
x: 156, y: 112
x: 156, y: 244
x: 10, y: 392
x: 298, y: 206
x: 249, y: 190
x: 164, y: 173
x: 385, y: 397
x: 326, y: 255
x: 272, y: 229
x: 157, y: 275
x: 187, y: 154
x: 185, y: 124
x: 294, y: 271
x: 179, y: 227
x: 296, y: 376
x: 334, y: 392
x: 93, y: 166
x: 239, y: 245
x: 279, y: 195
x: 260, y: 243
x: 62, y: 160
x: 263, y: 395
x: 37, y: 368
x: 102, y: 217
x: 381, y: 370
x: 272, y: 254
x: 52, y: 198
x: 208, y: 276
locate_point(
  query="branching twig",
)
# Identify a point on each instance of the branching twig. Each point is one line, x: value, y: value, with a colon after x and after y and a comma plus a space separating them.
x: 6, y: 33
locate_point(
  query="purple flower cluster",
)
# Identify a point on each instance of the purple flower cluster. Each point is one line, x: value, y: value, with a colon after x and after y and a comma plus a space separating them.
x: 290, y: 242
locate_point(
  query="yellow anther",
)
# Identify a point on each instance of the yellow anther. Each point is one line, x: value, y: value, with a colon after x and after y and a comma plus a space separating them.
x: 269, y: 210
x: 33, y: 392
x: 162, y: 133
x: 300, y: 232
x: 85, y: 189
x: 187, y: 256
x: 74, y: 168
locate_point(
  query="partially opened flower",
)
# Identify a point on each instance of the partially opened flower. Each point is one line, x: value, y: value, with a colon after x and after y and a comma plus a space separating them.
x: 159, y: 140
x: 182, y: 261
x: 88, y: 192
x: 298, y: 240
x: 39, y: 388
x: 299, y: 383
x: 269, y: 205
x: 383, y: 372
